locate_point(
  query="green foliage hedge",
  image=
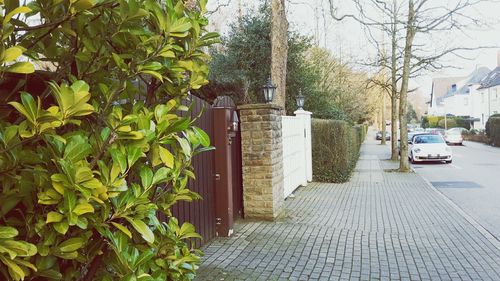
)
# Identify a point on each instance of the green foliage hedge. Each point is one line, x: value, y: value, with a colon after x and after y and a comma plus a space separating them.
x: 493, y: 130
x: 335, y: 149
x: 439, y: 122
x: 90, y: 163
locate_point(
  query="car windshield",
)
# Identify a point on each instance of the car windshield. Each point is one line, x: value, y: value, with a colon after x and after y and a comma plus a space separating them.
x: 428, y: 139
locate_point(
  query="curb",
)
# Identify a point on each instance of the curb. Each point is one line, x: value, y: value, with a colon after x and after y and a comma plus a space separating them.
x: 490, y: 237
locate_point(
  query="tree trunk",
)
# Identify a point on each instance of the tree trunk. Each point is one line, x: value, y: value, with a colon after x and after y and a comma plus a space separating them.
x: 394, y: 85
x: 404, y: 165
x: 279, y: 50
x: 394, y: 123
x: 383, y: 142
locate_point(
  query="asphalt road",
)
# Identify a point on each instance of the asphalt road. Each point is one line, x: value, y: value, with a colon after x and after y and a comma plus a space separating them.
x: 472, y: 182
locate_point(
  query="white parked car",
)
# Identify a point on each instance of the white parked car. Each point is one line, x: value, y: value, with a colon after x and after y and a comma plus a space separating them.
x: 454, y: 136
x: 429, y: 147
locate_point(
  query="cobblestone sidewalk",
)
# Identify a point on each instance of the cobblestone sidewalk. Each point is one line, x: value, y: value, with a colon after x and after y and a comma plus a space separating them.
x: 379, y: 226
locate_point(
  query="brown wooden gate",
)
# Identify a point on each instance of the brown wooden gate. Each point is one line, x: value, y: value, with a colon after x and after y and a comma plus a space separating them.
x: 203, y: 213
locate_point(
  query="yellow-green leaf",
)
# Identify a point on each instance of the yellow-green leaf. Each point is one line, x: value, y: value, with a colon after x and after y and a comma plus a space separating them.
x: 8, y: 232
x: 154, y: 74
x: 13, y: 268
x: 83, y: 4
x: 187, y: 230
x: 123, y: 229
x: 18, y: 10
x: 166, y: 157
x: 21, y: 67
x: 22, y: 248
x: 11, y: 253
x: 12, y: 53
x: 61, y: 227
x: 71, y: 245
x: 83, y: 208
x: 54, y: 217
x: 142, y: 228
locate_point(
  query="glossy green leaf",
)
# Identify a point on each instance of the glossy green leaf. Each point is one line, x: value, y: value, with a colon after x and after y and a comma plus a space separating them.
x: 146, y: 177
x: 12, y: 53
x: 123, y: 229
x: 22, y: 248
x: 161, y: 175
x: 21, y: 67
x: 18, y: 10
x: 8, y: 232
x: 166, y: 157
x: 71, y: 245
x: 119, y: 157
x: 142, y: 228
x: 13, y: 268
x: 83, y: 208
x: 202, y: 136
x: 61, y: 227
x: 54, y: 217
x: 77, y: 148
x: 133, y: 154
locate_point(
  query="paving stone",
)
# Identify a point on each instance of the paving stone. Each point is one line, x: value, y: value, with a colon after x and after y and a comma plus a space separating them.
x: 379, y: 226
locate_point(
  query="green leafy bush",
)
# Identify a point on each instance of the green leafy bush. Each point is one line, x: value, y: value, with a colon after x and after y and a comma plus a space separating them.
x: 89, y: 165
x: 448, y: 123
x: 493, y: 130
x: 335, y: 149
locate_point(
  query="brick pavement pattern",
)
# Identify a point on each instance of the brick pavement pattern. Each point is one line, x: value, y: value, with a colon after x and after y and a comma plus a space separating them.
x: 379, y: 226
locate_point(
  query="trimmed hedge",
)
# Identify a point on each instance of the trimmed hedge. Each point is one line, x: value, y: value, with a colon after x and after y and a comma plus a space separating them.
x: 438, y: 122
x: 493, y: 130
x: 335, y: 149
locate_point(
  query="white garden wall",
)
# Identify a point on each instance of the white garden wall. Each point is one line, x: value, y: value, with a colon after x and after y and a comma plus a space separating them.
x: 297, y: 154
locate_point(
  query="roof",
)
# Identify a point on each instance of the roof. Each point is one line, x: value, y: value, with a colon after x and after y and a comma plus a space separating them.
x: 492, y: 79
x: 441, y: 86
x: 474, y: 78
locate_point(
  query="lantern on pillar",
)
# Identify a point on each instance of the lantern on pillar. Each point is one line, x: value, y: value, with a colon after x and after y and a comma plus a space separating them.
x: 268, y: 90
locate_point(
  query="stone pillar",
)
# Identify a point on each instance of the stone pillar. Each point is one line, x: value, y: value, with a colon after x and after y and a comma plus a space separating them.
x: 262, y: 158
x: 306, y: 119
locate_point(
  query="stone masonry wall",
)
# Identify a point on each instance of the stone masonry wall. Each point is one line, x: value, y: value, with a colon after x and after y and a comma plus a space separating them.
x: 262, y: 156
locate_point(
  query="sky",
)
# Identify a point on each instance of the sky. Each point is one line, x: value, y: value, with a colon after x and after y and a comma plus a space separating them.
x: 347, y: 39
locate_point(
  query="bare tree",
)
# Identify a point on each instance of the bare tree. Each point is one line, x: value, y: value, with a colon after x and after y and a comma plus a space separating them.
x: 279, y: 49
x: 411, y: 25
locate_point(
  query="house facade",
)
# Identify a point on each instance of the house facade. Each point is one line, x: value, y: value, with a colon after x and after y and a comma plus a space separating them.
x: 476, y: 96
x: 489, y: 93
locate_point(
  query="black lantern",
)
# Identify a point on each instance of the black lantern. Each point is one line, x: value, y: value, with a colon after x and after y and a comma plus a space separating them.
x: 268, y: 90
x: 300, y: 100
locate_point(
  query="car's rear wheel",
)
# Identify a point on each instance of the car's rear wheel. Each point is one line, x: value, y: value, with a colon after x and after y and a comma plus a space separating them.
x: 448, y: 161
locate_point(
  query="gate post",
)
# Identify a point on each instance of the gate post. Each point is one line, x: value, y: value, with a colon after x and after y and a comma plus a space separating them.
x: 223, y: 173
x: 262, y: 158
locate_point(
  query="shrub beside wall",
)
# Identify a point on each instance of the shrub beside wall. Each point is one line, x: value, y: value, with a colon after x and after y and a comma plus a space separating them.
x: 335, y: 149
x: 493, y: 130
